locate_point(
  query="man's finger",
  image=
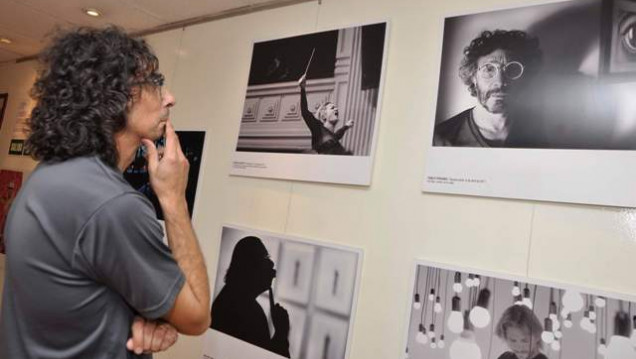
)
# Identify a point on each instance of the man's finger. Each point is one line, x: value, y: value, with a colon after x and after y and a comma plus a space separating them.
x: 158, y: 338
x: 151, y: 153
x: 149, y: 332
x: 138, y: 335
x: 171, y: 140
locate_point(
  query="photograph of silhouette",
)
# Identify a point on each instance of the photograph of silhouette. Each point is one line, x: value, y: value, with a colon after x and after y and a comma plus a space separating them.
x: 311, y: 99
x: 459, y: 314
x: 137, y: 173
x: 289, y: 297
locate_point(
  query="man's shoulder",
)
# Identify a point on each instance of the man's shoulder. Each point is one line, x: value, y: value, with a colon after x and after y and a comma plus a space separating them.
x: 447, y: 131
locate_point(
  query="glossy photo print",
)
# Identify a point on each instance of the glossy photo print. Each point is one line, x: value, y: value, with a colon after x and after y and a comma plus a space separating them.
x: 533, y: 105
x: 137, y: 173
x: 281, y: 297
x: 311, y: 108
x: 461, y: 314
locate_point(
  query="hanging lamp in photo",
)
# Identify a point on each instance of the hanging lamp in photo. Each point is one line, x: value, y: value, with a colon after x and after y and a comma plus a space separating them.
x: 572, y: 300
x: 620, y: 346
x: 526, y: 297
x: 455, y: 321
x: 465, y: 347
x: 547, y: 336
x: 457, y: 284
x: 516, y: 291
x: 421, y: 336
x: 479, y: 315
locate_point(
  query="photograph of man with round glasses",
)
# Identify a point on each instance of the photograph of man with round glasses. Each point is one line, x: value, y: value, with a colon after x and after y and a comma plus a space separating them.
x: 494, y: 67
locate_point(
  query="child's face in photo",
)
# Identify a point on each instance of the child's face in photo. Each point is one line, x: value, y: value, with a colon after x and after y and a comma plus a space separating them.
x: 521, y: 342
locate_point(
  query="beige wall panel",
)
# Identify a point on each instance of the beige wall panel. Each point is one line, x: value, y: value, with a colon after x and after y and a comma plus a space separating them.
x: 166, y: 46
x: 593, y: 247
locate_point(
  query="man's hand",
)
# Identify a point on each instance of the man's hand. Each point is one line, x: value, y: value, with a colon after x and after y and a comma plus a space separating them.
x: 302, y: 82
x: 168, y: 173
x: 150, y: 336
x: 349, y: 123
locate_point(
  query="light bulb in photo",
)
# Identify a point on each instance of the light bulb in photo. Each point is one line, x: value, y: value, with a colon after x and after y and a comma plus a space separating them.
x: 479, y: 315
x: 592, y: 313
x: 417, y: 304
x: 564, y: 312
x: 433, y: 344
x: 431, y: 295
x: 441, y: 343
x: 556, y: 345
x: 632, y: 338
x: 620, y: 347
x: 568, y: 321
x: 516, y: 291
x: 438, y: 305
x: 465, y: 347
x: 572, y: 300
x: 600, y: 302
x: 431, y: 331
x: 477, y: 280
x: 558, y: 334
x: 421, y: 336
x: 547, y: 336
x: 457, y: 283
x: 602, y: 348
x: 455, y: 321
x: 470, y: 282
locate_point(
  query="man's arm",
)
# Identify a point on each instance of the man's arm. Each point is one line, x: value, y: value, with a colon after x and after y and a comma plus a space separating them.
x: 190, y: 313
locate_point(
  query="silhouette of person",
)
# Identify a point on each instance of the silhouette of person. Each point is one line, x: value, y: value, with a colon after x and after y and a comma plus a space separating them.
x: 235, y: 311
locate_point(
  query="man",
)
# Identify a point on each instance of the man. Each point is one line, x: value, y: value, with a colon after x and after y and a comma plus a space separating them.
x: 84, y: 249
x: 235, y: 310
x: 495, y: 67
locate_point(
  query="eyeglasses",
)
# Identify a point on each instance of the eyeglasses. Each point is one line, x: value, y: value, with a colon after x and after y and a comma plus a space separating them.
x: 154, y: 79
x: 512, y: 70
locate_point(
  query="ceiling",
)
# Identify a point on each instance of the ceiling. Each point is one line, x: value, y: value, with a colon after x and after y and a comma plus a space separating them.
x: 28, y: 23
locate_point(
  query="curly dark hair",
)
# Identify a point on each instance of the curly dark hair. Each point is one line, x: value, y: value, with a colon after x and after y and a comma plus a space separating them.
x: 83, y: 92
x: 524, y: 47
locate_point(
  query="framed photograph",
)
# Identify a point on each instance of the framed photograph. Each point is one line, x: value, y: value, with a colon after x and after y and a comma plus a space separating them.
x: 532, y: 105
x: 16, y: 147
x: 4, y: 98
x: 10, y: 183
x: 137, y: 173
x: 311, y: 108
x: 461, y: 313
x: 250, y: 316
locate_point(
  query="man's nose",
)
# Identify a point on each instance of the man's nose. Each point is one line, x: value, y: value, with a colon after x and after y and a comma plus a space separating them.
x: 168, y: 98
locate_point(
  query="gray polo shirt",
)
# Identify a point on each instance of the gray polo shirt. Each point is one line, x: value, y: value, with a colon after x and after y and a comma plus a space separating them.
x: 84, y: 255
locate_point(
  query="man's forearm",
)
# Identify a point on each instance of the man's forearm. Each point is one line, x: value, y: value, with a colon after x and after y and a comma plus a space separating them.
x: 187, y: 253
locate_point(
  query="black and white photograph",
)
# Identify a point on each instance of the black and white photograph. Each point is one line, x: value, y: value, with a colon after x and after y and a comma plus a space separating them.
x: 530, y: 100
x: 277, y: 296
x: 312, y: 105
x: 137, y: 173
x: 457, y: 313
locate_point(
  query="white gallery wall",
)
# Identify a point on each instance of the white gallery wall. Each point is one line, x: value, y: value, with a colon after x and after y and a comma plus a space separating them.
x: 392, y: 221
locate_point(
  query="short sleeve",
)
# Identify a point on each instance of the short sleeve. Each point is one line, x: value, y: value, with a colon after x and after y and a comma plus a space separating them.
x: 121, y: 246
